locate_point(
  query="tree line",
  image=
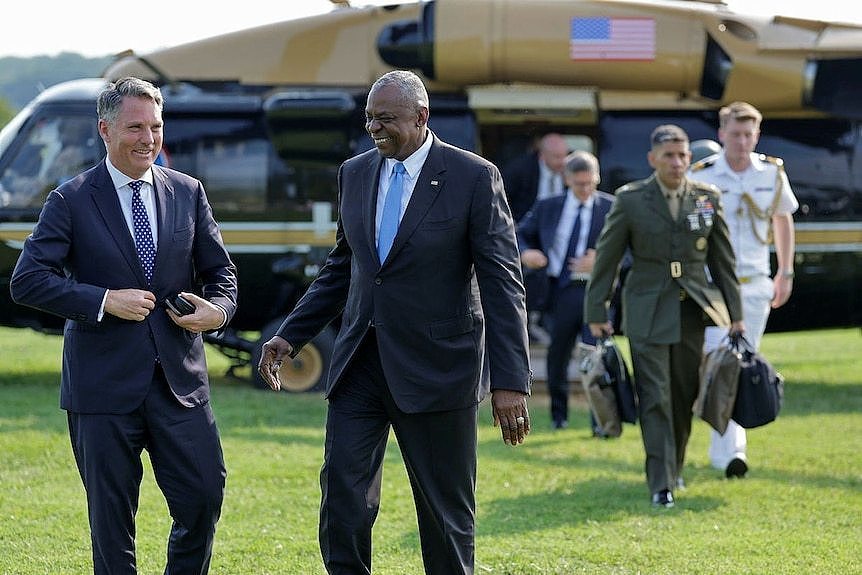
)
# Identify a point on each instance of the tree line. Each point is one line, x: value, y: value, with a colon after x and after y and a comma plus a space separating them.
x: 22, y: 79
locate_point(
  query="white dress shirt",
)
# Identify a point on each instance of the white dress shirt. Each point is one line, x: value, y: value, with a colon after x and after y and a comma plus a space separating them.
x: 557, y: 255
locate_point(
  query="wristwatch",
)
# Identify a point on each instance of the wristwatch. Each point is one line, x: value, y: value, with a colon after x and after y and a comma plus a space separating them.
x: 787, y: 274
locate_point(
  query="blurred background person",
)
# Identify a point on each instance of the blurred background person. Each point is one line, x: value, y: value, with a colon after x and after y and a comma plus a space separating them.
x: 533, y: 176
x: 558, y: 237
x: 681, y: 280
x: 536, y: 175
x: 759, y: 206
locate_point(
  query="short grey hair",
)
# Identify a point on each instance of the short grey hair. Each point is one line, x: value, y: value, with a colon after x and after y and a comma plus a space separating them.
x: 108, y: 105
x: 668, y: 133
x: 582, y: 161
x: 413, y: 92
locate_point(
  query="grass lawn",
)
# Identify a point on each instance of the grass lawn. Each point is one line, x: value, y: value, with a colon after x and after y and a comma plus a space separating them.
x: 562, y: 503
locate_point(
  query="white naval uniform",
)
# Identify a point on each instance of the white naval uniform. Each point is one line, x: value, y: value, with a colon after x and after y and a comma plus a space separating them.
x: 752, y: 261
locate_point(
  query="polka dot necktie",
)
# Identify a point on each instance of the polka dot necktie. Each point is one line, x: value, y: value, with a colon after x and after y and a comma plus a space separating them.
x: 143, y: 232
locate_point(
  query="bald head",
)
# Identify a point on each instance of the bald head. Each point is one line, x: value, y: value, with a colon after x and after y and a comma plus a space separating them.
x: 553, y: 150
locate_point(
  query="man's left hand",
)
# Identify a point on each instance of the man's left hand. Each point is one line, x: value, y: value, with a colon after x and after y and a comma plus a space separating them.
x: 782, y: 286
x: 510, y: 413
x: 206, y: 317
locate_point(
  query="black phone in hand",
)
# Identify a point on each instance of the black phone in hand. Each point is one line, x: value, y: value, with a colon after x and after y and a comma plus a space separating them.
x: 180, y: 305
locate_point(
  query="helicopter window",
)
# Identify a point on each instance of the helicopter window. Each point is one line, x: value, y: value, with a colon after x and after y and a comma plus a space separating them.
x: 53, y: 150
x: 818, y: 157
x: 244, y: 177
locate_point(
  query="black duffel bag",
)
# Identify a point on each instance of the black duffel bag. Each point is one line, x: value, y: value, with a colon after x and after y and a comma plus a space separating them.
x: 760, y: 393
x: 621, y: 379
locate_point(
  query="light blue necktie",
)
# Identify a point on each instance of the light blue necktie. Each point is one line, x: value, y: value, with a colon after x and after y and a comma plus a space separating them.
x: 143, y: 232
x: 391, y: 212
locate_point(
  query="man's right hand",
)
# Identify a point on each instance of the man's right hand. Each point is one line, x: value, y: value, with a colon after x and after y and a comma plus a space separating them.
x: 131, y: 304
x: 273, y: 353
x: 534, y: 259
x: 601, y: 330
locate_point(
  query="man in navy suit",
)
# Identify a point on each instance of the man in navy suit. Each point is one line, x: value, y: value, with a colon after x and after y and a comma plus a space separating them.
x: 428, y: 327
x: 558, y: 235
x: 110, y: 246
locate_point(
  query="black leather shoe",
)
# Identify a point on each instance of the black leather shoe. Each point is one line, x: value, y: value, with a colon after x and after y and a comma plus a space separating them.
x: 736, y: 468
x: 663, y: 498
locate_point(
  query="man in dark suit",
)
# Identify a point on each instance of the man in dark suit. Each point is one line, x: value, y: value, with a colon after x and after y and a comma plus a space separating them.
x: 558, y: 236
x: 535, y: 176
x: 110, y: 246
x: 682, y: 278
x: 432, y: 317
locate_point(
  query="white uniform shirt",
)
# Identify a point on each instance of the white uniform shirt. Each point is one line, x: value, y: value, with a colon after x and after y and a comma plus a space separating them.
x: 759, y: 181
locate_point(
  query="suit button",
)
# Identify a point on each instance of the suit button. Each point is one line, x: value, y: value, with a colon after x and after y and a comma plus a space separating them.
x: 378, y: 281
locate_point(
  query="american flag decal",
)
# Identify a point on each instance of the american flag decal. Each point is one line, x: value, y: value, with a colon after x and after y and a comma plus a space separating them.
x: 598, y: 38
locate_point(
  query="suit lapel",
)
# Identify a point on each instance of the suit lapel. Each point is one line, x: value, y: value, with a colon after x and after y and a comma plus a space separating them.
x: 370, y: 187
x: 597, y: 220
x: 164, y: 194
x: 655, y: 200
x: 550, y: 219
x: 108, y: 204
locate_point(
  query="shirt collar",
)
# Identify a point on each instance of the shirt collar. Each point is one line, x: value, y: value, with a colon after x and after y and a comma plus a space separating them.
x: 575, y: 202
x: 721, y: 165
x: 120, y: 179
x: 756, y: 162
x: 414, y: 162
x: 665, y: 191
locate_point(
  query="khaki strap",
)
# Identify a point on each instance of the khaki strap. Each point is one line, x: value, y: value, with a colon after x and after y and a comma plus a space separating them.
x: 754, y: 211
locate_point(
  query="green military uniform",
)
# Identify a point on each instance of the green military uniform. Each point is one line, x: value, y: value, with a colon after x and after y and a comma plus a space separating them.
x: 668, y: 299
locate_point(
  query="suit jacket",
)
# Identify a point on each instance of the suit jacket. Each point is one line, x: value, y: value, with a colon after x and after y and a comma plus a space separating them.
x: 521, y: 179
x: 81, y: 245
x: 667, y: 256
x: 537, y: 230
x: 441, y: 346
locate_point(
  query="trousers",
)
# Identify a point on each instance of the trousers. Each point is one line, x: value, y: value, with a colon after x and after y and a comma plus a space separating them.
x: 439, y: 452
x: 186, y: 456
x: 756, y: 297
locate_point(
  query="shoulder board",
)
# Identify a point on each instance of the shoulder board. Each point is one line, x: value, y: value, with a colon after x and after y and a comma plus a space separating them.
x: 630, y: 187
x: 706, y: 162
x: 705, y: 187
x: 771, y: 159
x: 604, y: 195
